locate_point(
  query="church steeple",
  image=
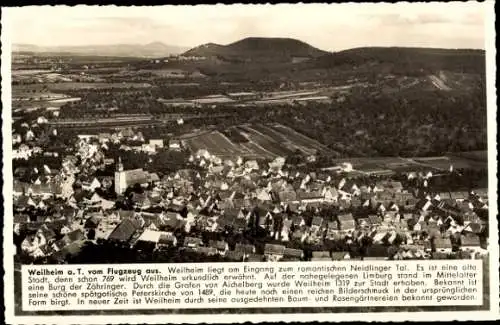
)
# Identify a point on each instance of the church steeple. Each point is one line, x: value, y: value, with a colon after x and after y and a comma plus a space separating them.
x: 119, y: 166
x: 119, y: 177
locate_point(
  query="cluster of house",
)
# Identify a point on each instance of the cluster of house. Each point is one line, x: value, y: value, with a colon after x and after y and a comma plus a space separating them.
x: 326, y: 214
x: 129, y: 140
x: 25, y: 141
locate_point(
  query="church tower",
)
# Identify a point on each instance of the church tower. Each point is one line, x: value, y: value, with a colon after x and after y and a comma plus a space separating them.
x: 119, y: 167
x: 119, y: 177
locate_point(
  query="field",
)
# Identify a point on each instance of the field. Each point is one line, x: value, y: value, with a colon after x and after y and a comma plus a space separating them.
x: 96, y: 85
x: 399, y: 164
x: 28, y: 72
x: 255, y: 141
x: 216, y: 143
x: 299, y: 140
x: 112, y: 122
x: 167, y: 73
x: 18, y: 95
x: 444, y: 163
x: 65, y: 86
x: 473, y: 155
x: 267, y: 143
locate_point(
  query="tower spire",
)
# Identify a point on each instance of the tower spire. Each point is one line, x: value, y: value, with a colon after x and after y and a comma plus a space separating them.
x: 119, y: 167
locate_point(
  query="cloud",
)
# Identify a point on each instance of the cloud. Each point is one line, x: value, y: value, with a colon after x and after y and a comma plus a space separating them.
x: 329, y: 27
x: 396, y: 19
x: 122, y: 22
x: 473, y: 19
x: 431, y: 19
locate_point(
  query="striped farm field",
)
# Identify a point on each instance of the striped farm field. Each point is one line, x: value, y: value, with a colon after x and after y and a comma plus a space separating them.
x: 262, y: 141
x: 298, y: 139
x: 216, y: 143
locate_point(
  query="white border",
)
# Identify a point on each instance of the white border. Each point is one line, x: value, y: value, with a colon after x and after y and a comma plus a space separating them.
x: 491, y: 101
x: 10, y: 318
x: 7, y: 177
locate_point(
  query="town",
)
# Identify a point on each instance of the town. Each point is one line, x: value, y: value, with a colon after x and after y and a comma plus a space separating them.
x: 279, y: 162
x: 264, y: 149
x: 92, y: 207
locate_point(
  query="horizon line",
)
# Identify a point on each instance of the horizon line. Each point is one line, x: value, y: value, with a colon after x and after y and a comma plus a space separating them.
x: 192, y: 47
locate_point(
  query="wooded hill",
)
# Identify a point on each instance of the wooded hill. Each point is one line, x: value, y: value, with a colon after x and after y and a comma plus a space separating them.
x: 406, y: 59
x: 257, y: 49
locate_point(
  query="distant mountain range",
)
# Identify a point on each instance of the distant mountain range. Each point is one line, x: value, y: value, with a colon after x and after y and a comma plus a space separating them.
x: 151, y: 50
x: 254, y: 49
x: 257, y: 49
x: 276, y: 54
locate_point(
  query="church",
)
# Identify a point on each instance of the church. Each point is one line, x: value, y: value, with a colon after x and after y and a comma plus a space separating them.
x: 126, y: 178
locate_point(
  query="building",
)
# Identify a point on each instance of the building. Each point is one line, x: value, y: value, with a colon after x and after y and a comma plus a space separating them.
x: 321, y: 256
x: 152, y: 239
x: 442, y: 245
x: 347, y: 222
x: 274, y: 252
x: 175, y: 144
x: 292, y: 254
x: 220, y: 245
x: 158, y: 143
x: 124, y: 231
x: 470, y: 242
x: 126, y: 178
x: 193, y: 242
x: 245, y: 249
x: 167, y: 239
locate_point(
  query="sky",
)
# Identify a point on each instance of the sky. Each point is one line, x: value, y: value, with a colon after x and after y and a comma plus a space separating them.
x: 330, y: 27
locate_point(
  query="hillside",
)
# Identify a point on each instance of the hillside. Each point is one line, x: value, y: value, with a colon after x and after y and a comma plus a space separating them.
x: 372, y: 101
x: 257, y: 49
x: 406, y: 60
x: 385, y: 69
x: 206, y: 50
x: 155, y: 49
